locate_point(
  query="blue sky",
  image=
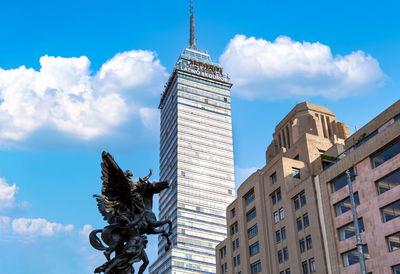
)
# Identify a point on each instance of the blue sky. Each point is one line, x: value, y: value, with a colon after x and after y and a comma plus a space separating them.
x: 58, y: 114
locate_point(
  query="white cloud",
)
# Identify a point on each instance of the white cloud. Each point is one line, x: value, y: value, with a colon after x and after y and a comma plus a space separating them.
x: 150, y: 118
x: 4, y: 223
x: 38, y: 227
x: 7, y: 194
x: 241, y: 174
x: 65, y: 96
x: 286, y: 68
x: 85, y: 231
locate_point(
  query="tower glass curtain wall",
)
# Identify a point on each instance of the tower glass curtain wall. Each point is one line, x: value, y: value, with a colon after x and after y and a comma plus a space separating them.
x: 196, y: 157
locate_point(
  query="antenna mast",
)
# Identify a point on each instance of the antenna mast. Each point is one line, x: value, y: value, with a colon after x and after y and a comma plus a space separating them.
x: 192, y: 41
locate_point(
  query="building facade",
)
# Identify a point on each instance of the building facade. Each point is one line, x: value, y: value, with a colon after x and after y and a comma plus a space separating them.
x: 273, y: 225
x: 196, y: 157
x: 372, y: 154
x: 294, y: 215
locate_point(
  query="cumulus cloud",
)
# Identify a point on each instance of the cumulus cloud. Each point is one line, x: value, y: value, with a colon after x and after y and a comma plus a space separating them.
x: 286, y: 68
x: 7, y: 194
x: 4, y: 223
x: 38, y: 227
x: 64, y: 95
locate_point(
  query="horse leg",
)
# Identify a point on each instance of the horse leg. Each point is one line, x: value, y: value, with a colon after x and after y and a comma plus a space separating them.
x: 145, y: 263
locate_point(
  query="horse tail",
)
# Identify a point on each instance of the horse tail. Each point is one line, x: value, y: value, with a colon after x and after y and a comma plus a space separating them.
x: 95, y: 241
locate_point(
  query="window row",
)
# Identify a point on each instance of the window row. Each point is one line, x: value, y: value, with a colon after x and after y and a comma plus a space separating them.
x: 254, y: 248
x: 283, y: 254
x: 287, y: 271
x: 308, y: 266
x: 236, y: 260
x: 280, y: 234
x: 299, y: 200
x: 276, y: 196
x: 303, y: 243
x: 235, y: 244
x: 252, y: 231
x: 279, y: 215
x: 302, y: 221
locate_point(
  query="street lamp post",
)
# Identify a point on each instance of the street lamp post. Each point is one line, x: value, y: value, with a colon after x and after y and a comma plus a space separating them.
x: 356, y: 228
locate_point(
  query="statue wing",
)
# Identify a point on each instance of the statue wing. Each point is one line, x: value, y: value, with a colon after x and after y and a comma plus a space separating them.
x: 116, y: 188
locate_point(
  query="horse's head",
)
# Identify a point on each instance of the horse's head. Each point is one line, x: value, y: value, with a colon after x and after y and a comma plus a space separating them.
x: 157, y: 187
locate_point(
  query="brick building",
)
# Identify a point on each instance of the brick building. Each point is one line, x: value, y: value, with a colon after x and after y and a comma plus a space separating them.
x: 292, y: 216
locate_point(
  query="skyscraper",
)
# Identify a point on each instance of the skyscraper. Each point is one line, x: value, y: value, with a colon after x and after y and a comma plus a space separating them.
x: 196, y: 157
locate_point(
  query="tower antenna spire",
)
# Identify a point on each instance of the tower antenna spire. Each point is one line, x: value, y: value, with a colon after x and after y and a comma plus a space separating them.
x: 192, y: 41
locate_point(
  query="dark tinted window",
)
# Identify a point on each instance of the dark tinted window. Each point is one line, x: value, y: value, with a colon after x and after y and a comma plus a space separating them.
x: 386, y: 154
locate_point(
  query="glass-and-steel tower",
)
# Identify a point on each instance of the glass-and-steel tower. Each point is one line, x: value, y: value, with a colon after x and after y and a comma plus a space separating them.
x: 196, y: 157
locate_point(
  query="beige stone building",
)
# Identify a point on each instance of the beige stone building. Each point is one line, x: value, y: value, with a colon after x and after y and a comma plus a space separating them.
x: 284, y: 219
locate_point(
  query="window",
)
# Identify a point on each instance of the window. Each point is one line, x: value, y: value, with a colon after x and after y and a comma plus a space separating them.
x: 276, y: 216
x: 234, y: 228
x: 303, y: 199
x: 297, y: 157
x: 348, y: 230
x: 388, y: 182
x: 309, y: 242
x: 299, y: 224
x: 236, y: 260
x: 222, y: 252
x: 345, y: 205
x: 283, y: 233
x: 233, y: 212
x: 351, y: 257
x: 234, y: 245
x: 276, y: 196
x: 249, y: 197
x: 278, y: 236
x: 285, y: 254
x: 287, y: 271
x: 237, y: 243
x: 296, y: 173
x: 254, y: 249
x: 273, y: 177
x: 255, y: 267
x: 341, y: 181
x: 302, y: 245
x: 281, y: 213
x: 393, y: 241
x: 311, y: 262
x: 280, y: 257
x: 299, y: 200
x: 252, y: 231
x: 251, y: 214
x: 306, y: 222
x: 396, y: 269
x: 305, y: 267
x: 391, y: 211
x: 386, y: 154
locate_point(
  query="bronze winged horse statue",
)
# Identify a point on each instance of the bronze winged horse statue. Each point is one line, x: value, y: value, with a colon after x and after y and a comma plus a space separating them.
x: 127, y: 207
